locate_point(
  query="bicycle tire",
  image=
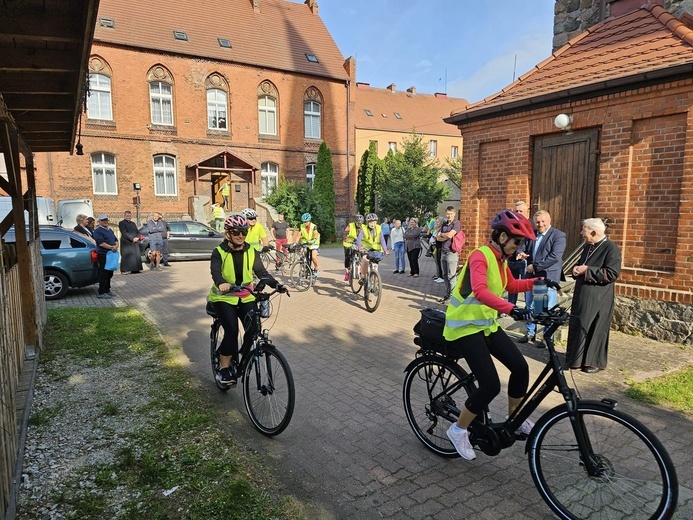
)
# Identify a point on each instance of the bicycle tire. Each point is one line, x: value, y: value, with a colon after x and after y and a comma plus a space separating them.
x: 425, y: 395
x: 373, y: 291
x: 355, y: 274
x: 637, y: 478
x: 301, y: 276
x: 216, y: 334
x: 267, y: 259
x: 281, y: 262
x: 268, y: 391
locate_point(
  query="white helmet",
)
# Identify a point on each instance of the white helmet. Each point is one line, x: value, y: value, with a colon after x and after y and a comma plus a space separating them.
x: 249, y: 213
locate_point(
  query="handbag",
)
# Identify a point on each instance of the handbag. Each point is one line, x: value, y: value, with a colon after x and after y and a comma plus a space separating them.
x: 112, y: 259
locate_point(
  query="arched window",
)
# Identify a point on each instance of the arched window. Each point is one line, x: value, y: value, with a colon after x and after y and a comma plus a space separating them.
x: 267, y: 108
x: 217, y: 102
x: 270, y: 176
x: 310, y: 174
x: 161, y: 95
x: 100, y: 100
x: 103, y: 173
x: 312, y: 110
x: 165, y: 178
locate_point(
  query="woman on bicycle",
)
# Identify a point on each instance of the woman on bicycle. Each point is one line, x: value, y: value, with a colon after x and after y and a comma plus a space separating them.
x: 351, y: 233
x: 370, y: 238
x: 310, y: 237
x: 471, y: 321
x: 233, y: 264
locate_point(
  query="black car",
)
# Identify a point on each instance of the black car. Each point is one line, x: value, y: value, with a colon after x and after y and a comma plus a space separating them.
x: 189, y: 240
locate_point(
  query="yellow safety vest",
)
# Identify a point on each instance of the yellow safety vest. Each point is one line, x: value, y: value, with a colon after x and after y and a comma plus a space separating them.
x: 351, y: 236
x: 255, y: 235
x: 307, y: 236
x: 218, y: 212
x: 225, y: 189
x: 229, y: 273
x: 367, y: 242
x: 467, y: 316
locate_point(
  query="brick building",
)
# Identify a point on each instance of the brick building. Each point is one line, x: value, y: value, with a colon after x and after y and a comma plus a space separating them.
x: 626, y: 88
x: 180, y: 102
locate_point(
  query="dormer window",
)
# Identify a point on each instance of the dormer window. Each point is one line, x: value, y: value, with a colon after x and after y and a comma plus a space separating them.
x: 180, y: 35
x: 368, y: 112
x: 397, y: 115
x: 223, y: 42
x: 107, y: 22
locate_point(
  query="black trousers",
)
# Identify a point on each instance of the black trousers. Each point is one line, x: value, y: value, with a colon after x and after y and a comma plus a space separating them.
x: 229, y: 315
x: 104, y: 275
x: 413, y: 256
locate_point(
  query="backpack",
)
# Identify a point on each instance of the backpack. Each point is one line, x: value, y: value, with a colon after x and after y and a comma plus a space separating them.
x: 458, y: 242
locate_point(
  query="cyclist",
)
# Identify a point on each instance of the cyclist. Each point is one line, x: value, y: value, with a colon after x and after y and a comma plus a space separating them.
x: 471, y: 321
x: 234, y: 262
x: 370, y: 238
x: 351, y: 233
x: 257, y: 236
x: 310, y: 237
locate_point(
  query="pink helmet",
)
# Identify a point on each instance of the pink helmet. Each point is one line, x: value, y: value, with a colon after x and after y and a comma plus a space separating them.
x: 514, y: 224
x: 235, y: 222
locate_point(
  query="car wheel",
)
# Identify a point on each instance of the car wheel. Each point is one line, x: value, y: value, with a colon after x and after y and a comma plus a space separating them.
x: 147, y: 257
x: 55, y: 285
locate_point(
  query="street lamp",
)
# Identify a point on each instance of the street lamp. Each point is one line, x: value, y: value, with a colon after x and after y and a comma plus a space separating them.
x: 136, y: 199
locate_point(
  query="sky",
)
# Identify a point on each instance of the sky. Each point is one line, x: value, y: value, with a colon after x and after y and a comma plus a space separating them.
x: 420, y: 43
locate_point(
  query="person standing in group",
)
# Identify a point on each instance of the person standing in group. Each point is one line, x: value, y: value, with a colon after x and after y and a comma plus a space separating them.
x: 412, y: 245
x: 130, y: 255
x: 91, y: 222
x: 165, y: 239
x: 257, y: 236
x: 225, y: 190
x: 156, y: 230
x: 351, y: 233
x: 105, y: 241
x: 310, y: 237
x: 278, y: 232
x: 448, y: 259
x: 82, y: 229
x: 385, y: 227
x: 518, y: 263
x: 430, y: 225
x: 397, y: 234
x: 545, y: 260
x: 218, y: 216
x: 593, y: 299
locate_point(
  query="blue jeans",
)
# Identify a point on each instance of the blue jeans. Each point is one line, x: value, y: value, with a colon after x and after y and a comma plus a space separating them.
x: 448, y: 264
x: 529, y: 300
x: 399, y: 256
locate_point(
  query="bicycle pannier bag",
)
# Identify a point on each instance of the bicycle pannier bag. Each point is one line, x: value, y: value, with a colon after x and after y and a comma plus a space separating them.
x: 430, y: 330
x: 458, y: 241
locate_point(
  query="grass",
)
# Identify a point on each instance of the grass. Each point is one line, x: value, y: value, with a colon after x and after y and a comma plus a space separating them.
x: 673, y: 390
x: 180, y: 444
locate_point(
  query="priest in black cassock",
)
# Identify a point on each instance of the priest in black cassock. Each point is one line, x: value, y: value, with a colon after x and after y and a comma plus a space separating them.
x: 130, y: 257
x: 593, y: 300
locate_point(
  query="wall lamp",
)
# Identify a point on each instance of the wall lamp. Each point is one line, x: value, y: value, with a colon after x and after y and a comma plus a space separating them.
x: 563, y: 122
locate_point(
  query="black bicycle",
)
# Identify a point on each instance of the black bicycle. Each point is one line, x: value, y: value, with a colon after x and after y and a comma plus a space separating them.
x: 268, y: 385
x: 587, y: 459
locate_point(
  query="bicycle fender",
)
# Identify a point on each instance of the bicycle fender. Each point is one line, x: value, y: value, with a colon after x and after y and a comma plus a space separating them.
x: 418, y: 359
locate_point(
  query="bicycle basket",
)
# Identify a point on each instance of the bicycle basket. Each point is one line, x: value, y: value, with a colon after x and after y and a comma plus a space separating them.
x: 374, y: 256
x: 430, y: 331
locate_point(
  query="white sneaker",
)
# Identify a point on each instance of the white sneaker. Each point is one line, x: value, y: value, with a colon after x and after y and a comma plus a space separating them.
x: 525, y: 428
x: 438, y: 280
x: 460, y: 440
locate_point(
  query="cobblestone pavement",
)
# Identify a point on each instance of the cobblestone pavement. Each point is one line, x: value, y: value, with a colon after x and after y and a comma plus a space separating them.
x: 349, y: 451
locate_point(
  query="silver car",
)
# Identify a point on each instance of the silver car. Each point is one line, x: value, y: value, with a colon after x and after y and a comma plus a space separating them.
x: 189, y: 240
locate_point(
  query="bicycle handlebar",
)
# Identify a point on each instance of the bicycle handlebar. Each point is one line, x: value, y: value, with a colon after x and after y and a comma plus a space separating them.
x: 257, y: 291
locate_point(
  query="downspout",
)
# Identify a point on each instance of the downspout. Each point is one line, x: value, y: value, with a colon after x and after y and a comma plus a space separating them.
x: 350, y: 208
x: 49, y: 156
x: 602, y: 10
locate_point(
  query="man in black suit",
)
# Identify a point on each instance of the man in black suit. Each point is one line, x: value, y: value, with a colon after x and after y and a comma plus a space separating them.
x: 544, y: 259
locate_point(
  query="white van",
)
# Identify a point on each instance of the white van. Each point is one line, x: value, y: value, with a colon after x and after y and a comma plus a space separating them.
x: 68, y: 210
x: 46, y: 210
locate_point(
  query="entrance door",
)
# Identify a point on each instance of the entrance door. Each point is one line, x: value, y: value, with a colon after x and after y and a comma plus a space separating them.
x: 564, y: 181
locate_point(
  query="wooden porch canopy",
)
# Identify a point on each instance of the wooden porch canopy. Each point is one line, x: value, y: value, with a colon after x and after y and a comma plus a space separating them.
x: 222, y: 164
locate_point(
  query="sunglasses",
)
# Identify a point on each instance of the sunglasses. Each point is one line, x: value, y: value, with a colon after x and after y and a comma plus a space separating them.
x: 238, y: 232
x: 518, y: 241
x: 251, y: 218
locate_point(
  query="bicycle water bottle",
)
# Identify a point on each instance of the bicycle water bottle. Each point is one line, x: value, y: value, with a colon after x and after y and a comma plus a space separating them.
x: 541, y: 297
x: 264, y: 308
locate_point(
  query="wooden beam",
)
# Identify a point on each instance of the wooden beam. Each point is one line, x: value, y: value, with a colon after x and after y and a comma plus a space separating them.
x: 38, y: 60
x: 33, y: 103
x: 54, y: 26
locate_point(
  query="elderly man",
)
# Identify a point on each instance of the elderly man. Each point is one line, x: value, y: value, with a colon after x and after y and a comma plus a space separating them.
x: 518, y: 265
x: 593, y: 299
x: 544, y: 259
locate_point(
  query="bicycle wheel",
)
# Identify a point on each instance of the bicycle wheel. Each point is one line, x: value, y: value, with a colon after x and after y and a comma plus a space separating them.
x: 267, y: 259
x: 215, y: 336
x: 635, y: 476
x: 301, y: 276
x: 355, y: 274
x: 281, y: 263
x: 268, y: 391
x: 373, y: 291
x: 429, y: 396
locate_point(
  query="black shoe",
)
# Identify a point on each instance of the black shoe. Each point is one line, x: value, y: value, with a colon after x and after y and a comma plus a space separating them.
x: 590, y: 370
x: 226, y: 377
x: 540, y: 343
x: 526, y: 339
x: 166, y: 264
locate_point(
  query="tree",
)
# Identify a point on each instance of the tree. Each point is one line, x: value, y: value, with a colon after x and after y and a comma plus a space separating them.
x: 410, y: 182
x: 370, y: 172
x: 453, y: 169
x: 323, y: 194
x: 362, y: 181
x: 291, y: 198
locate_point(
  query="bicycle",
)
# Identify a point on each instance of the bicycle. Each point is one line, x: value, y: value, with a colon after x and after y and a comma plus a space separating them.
x: 355, y: 270
x: 586, y: 458
x: 373, y: 285
x: 301, y: 273
x: 275, y: 257
x: 268, y: 384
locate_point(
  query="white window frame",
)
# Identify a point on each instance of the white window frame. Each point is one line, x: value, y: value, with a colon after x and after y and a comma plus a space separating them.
x: 104, y: 174
x: 217, y: 109
x: 432, y: 148
x: 165, y: 175
x: 312, y: 119
x: 99, y: 104
x: 161, y: 103
x: 267, y: 115
x: 454, y: 151
x: 270, y: 177
x: 392, y: 146
x: 310, y: 174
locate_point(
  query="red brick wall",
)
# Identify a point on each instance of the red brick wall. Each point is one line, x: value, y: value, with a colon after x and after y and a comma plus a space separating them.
x: 645, y: 175
x: 129, y: 138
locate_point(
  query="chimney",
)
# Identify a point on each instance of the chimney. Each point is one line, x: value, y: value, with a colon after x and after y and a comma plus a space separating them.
x: 391, y: 87
x: 441, y: 95
x: 313, y: 5
x: 621, y: 7
x: 363, y: 86
x: 350, y: 67
x: 256, y: 4
x: 411, y: 90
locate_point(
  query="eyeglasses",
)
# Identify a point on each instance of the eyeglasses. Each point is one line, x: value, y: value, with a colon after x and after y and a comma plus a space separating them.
x: 251, y: 218
x: 238, y: 232
x: 518, y: 241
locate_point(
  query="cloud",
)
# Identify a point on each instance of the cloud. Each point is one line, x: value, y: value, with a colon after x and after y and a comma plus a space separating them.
x: 424, y: 63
